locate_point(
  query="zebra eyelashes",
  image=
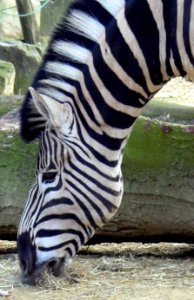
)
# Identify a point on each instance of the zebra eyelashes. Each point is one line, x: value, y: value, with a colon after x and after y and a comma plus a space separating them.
x: 49, y: 177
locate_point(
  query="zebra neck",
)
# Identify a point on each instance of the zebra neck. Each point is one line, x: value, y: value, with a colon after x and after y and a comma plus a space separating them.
x: 109, y: 66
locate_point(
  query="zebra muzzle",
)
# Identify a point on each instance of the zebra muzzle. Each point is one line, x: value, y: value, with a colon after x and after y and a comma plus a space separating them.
x: 55, y: 267
x: 31, y: 271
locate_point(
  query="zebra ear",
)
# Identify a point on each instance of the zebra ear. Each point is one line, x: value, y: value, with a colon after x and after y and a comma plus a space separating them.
x: 51, y: 110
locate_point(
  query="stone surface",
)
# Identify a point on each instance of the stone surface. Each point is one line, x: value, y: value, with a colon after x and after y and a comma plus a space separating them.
x: 8, y: 103
x: 7, y: 78
x: 26, y: 60
x: 9, y: 19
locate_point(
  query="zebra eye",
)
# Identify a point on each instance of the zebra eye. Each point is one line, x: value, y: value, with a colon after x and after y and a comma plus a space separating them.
x: 49, y: 177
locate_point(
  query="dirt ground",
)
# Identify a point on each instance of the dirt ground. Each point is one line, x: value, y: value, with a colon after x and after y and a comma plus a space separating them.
x: 112, y: 271
x: 126, y: 271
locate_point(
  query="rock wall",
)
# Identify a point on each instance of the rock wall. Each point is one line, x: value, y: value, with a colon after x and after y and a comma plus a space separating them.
x: 9, y: 20
x: 7, y: 78
x: 26, y: 60
x: 51, y: 15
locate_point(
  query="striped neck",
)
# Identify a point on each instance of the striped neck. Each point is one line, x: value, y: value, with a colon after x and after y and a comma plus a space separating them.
x: 109, y: 67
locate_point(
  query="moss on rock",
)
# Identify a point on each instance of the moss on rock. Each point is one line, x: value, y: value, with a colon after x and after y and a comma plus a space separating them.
x: 158, y: 174
x: 7, y: 77
x: 8, y: 103
x: 17, y: 169
x: 26, y: 60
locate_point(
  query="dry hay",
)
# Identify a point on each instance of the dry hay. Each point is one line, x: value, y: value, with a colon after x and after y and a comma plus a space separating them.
x: 112, y: 271
x: 7, y: 247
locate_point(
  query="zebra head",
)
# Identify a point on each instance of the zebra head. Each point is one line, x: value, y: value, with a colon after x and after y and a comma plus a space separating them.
x: 71, y: 198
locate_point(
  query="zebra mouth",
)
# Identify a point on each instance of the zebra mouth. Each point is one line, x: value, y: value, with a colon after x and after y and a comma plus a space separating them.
x: 54, y: 267
x: 57, y: 267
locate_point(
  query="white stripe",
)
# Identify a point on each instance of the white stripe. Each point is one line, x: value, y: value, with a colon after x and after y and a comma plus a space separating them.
x: 176, y: 72
x: 84, y: 24
x: 112, y: 6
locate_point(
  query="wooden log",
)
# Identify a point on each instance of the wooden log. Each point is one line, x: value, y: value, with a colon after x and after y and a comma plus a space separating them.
x: 28, y: 23
x: 158, y: 202
x: 158, y: 169
x: 17, y: 169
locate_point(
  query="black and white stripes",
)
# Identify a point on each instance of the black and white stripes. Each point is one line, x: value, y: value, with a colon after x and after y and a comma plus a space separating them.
x: 105, y: 61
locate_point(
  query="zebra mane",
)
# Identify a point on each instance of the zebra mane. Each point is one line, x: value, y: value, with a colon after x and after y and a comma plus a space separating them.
x: 73, y: 41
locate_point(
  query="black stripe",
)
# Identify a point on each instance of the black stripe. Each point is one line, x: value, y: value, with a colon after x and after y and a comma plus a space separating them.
x: 43, y: 146
x: 56, y: 145
x: 186, y: 29
x: 144, y: 27
x: 170, y: 20
x: 73, y: 242
x: 55, y: 202
x: 69, y: 251
x: 42, y: 233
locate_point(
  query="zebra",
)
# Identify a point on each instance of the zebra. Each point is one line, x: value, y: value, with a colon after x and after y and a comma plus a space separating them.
x: 105, y: 61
